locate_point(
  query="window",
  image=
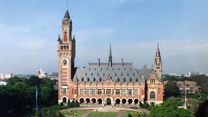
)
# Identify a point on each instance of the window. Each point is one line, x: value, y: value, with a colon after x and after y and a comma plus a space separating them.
x: 91, y: 74
x: 97, y: 74
x: 108, y: 91
x: 86, y: 91
x: 121, y: 74
x: 99, y: 91
x: 92, y: 91
x: 133, y: 74
x: 115, y: 74
x: 100, y: 79
x: 103, y: 74
x: 85, y: 74
x: 135, y: 91
x: 124, y: 79
x: 117, y: 91
x: 93, y: 79
x: 81, y: 91
x: 64, y: 62
x: 130, y: 91
x: 89, y: 69
x: 64, y: 90
x: 130, y: 79
x: 123, y: 91
x: 152, y: 95
x: 118, y: 79
x: 82, y: 79
x: 137, y: 80
x: 127, y: 74
x: 103, y: 91
x: 88, y: 79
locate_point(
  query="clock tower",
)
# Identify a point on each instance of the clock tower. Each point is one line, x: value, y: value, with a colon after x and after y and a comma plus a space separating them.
x: 66, y: 56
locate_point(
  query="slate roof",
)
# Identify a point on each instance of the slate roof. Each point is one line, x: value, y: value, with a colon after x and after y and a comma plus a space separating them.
x: 118, y: 72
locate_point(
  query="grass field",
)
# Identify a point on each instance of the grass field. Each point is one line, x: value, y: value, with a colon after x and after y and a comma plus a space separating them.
x: 133, y: 114
x: 103, y: 114
x: 74, y: 113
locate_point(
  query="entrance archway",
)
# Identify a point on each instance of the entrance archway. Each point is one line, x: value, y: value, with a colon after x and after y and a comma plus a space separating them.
x: 117, y: 101
x: 123, y: 101
x: 64, y: 100
x: 93, y: 100
x: 99, y: 101
x: 136, y: 101
x: 88, y: 100
x: 81, y: 100
x: 108, y: 101
x: 130, y: 101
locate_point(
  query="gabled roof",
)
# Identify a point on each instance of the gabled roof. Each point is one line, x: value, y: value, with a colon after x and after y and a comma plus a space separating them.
x: 118, y: 72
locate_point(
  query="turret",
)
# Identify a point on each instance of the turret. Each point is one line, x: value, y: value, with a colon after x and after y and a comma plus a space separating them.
x: 158, y: 63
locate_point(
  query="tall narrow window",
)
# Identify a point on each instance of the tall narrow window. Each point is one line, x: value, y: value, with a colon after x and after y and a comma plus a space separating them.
x: 65, y: 36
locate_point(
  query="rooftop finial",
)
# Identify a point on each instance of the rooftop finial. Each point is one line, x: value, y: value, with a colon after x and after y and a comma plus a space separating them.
x: 110, y: 57
x: 67, y: 4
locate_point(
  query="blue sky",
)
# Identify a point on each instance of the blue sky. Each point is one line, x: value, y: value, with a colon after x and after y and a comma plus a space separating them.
x: 29, y: 31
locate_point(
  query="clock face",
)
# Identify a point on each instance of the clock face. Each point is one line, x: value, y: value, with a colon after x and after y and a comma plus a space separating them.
x: 64, y: 62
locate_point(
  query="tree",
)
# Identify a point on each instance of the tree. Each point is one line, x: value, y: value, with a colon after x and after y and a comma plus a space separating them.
x: 171, y: 89
x: 202, y: 110
x: 169, y: 109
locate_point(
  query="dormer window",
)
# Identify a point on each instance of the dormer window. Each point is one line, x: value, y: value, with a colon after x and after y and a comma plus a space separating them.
x: 124, y: 79
x: 118, y: 79
x: 82, y: 79
x: 93, y: 79
x: 137, y: 80
x: 85, y: 74
x: 100, y: 79
x: 88, y: 79
x: 130, y: 79
x: 91, y: 74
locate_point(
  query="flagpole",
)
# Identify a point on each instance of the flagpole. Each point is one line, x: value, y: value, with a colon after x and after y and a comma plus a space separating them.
x: 36, y: 98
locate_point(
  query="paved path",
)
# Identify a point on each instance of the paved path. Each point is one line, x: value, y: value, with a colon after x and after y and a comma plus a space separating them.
x: 85, y: 114
x: 120, y: 114
x: 119, y: 110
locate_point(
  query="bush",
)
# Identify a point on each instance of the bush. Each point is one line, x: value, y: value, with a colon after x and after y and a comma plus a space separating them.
x: 73, y: 104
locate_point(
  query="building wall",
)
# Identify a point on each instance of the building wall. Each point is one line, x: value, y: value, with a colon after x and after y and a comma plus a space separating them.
x: 69, y: 88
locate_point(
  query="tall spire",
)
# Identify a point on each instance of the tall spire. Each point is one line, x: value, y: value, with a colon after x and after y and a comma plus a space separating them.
x: 158, y: 51
x: 110, y: 57
x: 158, y: 62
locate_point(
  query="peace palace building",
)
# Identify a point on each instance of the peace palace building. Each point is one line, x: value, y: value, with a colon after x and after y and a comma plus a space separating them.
x: 105, y: 83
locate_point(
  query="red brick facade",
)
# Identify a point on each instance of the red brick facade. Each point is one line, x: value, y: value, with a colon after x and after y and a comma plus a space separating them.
x: 104, y: 83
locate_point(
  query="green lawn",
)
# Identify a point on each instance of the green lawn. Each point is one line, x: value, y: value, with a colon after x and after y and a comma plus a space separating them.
x: 103, y: 114
x: 133, y: 114
x: 74, y: 113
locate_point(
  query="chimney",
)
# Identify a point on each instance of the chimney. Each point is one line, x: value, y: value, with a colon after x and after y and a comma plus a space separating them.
x: 98, y: 61
x: 122, y: 62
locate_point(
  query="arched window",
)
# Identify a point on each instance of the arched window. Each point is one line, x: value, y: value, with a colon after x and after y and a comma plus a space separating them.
x: 64, y: 62
x: 152, y: 95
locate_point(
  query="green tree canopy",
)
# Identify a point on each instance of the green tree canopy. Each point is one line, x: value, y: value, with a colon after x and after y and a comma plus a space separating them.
x: 169, y: 109
x: 171, y: 89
